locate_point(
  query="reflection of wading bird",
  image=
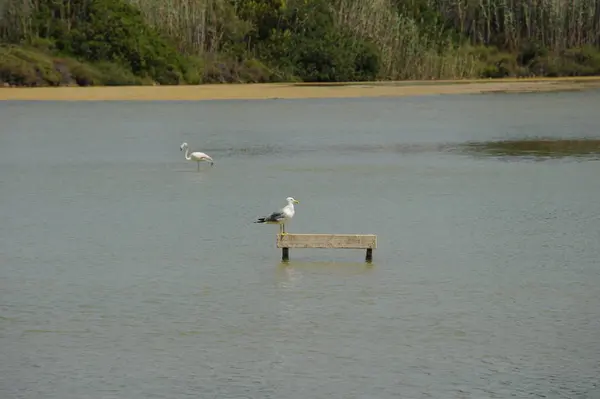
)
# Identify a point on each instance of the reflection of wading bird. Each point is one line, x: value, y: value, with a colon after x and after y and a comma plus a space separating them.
x: 281, y: 216
x: 195, y: 156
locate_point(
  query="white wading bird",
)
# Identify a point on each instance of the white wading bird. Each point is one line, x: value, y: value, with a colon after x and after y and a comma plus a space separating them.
x: 196, y: 156
x: 281, y: 216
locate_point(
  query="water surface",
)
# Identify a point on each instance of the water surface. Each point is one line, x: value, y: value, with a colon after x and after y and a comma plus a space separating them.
x: 125, y: 273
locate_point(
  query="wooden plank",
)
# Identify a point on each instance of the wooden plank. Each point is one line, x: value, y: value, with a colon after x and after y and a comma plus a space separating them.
x: 347, y: 241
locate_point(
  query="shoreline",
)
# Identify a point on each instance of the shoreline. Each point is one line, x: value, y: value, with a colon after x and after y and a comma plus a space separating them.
x: 297, y: 90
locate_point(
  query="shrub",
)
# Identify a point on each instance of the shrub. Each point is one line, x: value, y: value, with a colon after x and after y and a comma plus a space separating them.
x: 23, y: 67
x: 307, y: 43
x: 109, y: 31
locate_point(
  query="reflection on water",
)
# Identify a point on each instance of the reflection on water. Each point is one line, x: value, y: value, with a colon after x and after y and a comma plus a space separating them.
x: 292, y: 270
x: 537, y: 149
x: 397, y: 148
x: 288, y: 278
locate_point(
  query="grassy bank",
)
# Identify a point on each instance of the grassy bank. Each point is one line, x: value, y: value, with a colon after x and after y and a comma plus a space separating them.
x: 295, y: 90
x: 179, y: 42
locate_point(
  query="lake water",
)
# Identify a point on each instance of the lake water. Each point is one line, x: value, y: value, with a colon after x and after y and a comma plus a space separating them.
x: 126, y: 273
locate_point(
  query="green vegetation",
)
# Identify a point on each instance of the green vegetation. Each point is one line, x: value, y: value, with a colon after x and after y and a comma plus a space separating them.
x: 167, y: 42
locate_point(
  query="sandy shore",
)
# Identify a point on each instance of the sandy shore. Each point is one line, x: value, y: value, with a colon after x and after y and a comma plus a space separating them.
x: 298, y: 90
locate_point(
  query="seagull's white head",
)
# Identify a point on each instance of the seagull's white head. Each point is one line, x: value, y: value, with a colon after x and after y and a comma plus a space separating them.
x: 291, y: 200
x: 183, y: 145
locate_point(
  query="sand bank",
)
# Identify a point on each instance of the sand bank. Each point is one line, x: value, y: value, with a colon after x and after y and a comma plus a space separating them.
x: 295, y: 90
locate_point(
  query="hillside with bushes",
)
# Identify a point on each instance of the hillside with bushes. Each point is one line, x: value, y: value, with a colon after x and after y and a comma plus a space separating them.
x: 171, y: 42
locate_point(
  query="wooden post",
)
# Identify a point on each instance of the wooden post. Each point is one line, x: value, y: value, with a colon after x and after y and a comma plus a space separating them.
x: 285, y: 254
x: 339, y: 241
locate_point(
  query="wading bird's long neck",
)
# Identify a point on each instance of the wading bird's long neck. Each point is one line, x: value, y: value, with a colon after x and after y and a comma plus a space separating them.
x: 187, y: 154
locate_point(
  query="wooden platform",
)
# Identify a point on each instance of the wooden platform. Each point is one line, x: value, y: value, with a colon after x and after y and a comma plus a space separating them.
x: 337, y: 241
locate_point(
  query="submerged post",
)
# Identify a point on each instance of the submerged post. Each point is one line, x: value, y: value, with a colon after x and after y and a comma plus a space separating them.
x: 285, y: 254
x: 333, y: 241
x: 369, y: 257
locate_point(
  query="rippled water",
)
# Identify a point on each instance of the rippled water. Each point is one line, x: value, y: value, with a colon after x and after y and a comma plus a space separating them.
x: 125, y: 273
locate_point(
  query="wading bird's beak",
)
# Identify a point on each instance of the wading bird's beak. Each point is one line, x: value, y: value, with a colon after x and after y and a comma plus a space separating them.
x: 296, y: 202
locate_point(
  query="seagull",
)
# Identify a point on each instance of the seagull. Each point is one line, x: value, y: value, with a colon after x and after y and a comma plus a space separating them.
x: 281, y: 216
x: 195, y: 156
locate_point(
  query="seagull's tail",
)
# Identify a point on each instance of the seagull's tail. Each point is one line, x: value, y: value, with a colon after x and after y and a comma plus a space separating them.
x: 261, y: 220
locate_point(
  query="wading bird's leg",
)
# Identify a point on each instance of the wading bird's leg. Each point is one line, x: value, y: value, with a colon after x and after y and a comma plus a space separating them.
x: 198, y: 166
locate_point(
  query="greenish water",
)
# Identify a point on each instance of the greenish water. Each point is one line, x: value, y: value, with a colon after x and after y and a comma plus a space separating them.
x: 125, y: 273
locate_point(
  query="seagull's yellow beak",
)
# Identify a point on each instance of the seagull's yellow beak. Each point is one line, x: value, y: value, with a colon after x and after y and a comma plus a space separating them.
x: 296, y: 202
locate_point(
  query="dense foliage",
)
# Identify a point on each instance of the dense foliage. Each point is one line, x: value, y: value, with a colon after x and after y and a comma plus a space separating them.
x: 95, y: 42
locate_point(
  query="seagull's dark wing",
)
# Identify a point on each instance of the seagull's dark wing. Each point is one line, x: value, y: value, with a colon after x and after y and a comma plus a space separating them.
x: 274, y: 217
